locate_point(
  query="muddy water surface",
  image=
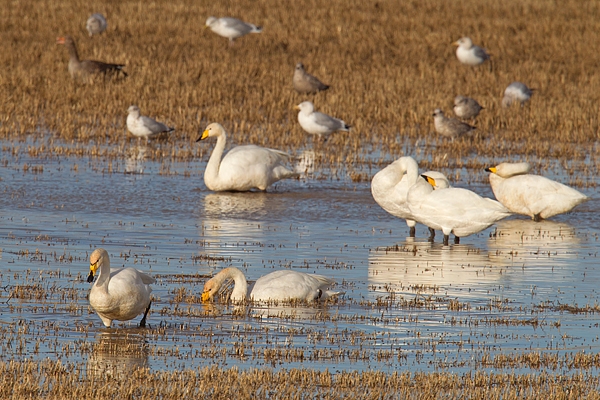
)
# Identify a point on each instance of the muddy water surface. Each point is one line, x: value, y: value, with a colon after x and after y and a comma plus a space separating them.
x: 517, y: 288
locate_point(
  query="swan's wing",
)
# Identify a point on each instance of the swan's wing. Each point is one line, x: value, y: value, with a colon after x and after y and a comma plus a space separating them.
x: 289, y: 285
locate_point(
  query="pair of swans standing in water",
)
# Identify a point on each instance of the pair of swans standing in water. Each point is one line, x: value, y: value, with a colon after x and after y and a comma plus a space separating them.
x: 428, y: 199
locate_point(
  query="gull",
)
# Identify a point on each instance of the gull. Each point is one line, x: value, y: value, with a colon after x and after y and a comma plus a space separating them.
x: 285, y: 285
x: 317, y: 123
x: 466, y: 107
x: 449, y: 127
x: 532, y: 195
x: 469, y: 54
x: 516, y: 92
x: 231, y: 28
x: 96, y: 24
x: 86, y: 68
x: 142, y: 126
x: 243, y: 168
x: 119, y: 293
x: 305, y: 82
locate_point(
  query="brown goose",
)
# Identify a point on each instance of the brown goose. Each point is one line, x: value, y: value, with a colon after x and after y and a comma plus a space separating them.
x: 86, y: 68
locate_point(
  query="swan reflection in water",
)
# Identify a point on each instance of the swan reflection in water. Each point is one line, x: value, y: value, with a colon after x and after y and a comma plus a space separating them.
x: 421, y: 266
x: 117, y: 353
x: 524, y: 241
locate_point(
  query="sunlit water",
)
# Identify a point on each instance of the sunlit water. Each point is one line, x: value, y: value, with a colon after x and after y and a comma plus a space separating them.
x: 517, y: 287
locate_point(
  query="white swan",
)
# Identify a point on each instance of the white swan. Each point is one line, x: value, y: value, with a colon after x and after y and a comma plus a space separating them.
x: 283, y: 285
x: 119, y: 293
x: 244, y: 167
x: 532, y: 195
x: 453, y: 210
x: 390, y: 186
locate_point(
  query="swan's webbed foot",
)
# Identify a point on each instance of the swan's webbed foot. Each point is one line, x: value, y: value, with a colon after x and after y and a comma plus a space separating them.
x: 143, y: 321
x: 411, y: 231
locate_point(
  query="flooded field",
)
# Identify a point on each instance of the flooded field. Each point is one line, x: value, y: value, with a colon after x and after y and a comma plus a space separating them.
x: 520, y: 296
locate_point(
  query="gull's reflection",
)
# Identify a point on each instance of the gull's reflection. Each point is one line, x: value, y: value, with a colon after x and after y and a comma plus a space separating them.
x: 306, y: 164
x: 117, y: 353
x: 136, y: 156
x: 415, y: 266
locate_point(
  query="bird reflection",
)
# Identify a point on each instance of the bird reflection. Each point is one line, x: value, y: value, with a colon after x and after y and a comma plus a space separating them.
x: 235, y: 205
x: 424, y: 266
x: 117, y: 353
x: 134, y: 161
x: 520, y: 241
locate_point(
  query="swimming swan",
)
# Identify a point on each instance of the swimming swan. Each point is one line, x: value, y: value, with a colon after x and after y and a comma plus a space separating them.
x: 119, y: 293
x: 453, y: 210
x: 244, y: 167
x: 390, y: 186
x: 532, y: 195
x: 285, y: 285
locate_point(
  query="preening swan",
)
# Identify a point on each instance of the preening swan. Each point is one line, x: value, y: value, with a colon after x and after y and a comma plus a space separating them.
x: 243, y: 168
x: 283, y: 285
x: 453, y: 210
x: 532, y: 195
x: 119, y: 293
x: 390, y: 186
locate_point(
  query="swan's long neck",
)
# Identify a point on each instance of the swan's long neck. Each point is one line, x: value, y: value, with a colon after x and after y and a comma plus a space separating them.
x: 240, y: 287
x: 211, y: 173
x: 104, y: 274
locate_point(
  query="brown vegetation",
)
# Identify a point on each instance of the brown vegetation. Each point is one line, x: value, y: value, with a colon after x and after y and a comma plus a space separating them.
x: 389, y: 63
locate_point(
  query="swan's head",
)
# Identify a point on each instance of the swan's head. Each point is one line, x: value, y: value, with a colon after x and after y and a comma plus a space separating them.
x: 464, y: 42
x: 96, y: 260
x: 133, y: 109
x: 210, y: 21
x: 212, y: 130
x: 437, y: 183
x: 506, y: 170
x: 211, y: 288
x: 305, y: 107
x: 440, y: 181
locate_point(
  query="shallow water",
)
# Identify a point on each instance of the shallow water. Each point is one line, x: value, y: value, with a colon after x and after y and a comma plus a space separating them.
x: 518, y: 287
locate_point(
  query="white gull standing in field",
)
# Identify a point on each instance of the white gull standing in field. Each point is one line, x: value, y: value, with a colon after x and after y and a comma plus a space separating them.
x: 231, y: 28
x: 317, y: 123
x: 144, y: 127
x: 470, y: 54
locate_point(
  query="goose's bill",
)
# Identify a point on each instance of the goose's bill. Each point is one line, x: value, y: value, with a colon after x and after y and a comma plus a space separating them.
x: 60, y: 40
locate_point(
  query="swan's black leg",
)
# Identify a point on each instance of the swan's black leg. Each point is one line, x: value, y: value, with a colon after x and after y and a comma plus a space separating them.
x: 143, y: 321
x: 431, y: 234
x: 446, y: 237
x: 411, y: 231
x: 456, y: 240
